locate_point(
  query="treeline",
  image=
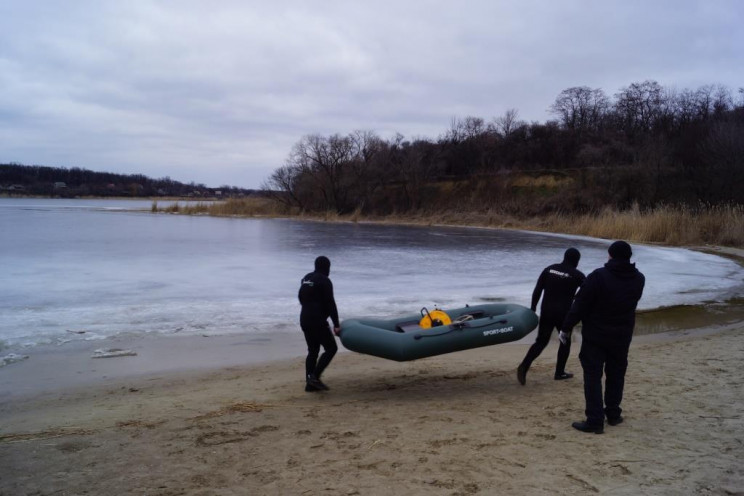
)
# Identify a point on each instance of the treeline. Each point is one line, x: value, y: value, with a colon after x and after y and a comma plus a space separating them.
x: 647, y: 145
x: 18, y: 179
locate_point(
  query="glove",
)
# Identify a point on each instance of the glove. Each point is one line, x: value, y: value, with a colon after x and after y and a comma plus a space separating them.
x: 563, y: 337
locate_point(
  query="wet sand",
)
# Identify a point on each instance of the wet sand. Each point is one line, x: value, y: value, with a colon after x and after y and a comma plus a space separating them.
x: 70, y: 365
x: 456, y: 424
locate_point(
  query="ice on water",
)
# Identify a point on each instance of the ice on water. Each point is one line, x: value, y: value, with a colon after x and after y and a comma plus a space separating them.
x: 93, y: 271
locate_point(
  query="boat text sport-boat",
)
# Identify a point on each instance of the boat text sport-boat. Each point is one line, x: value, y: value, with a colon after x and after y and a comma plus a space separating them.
x: 437, y: 332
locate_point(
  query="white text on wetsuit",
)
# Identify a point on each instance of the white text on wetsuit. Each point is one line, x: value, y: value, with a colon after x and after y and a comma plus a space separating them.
x: 559, y: 273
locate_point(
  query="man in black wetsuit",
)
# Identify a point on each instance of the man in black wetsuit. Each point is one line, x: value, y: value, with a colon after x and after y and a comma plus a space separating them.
x: 606, y: 305
x: 318, y: 304
x: 559, y: 283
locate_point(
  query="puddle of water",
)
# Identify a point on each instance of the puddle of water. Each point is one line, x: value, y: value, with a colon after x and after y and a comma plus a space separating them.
x: 687, y: 317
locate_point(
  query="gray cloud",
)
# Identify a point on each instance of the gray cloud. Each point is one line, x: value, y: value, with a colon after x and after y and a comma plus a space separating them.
x: 218, y: 92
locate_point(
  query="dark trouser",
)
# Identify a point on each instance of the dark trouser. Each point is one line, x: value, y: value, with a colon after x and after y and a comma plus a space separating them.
x: 548, y: 322
x: 613, y: 361
x: 318, y: 334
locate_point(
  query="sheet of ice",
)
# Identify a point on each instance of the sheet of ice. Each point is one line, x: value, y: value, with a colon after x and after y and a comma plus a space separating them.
x: 88, y: 273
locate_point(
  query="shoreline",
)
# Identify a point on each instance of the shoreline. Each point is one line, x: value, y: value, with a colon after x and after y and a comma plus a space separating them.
x: 664, y: 225
x: 71, y: 365
x: 453, y: 424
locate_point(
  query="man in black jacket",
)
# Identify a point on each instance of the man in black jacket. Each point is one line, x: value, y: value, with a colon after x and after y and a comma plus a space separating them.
x: 606, y: 305
x: 318, y: 304
x: 559, y: 283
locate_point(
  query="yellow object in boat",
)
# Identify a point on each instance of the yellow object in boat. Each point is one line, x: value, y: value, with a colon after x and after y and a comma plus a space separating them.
x: 434, y: 318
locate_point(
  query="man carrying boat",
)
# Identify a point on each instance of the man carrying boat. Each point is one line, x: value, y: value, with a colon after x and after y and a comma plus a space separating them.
x: 606, y: 305
x: 557, y: 285
x: 318, y: 304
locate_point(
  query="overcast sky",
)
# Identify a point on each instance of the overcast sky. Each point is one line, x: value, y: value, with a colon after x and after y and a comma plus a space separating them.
x: 217, y: 92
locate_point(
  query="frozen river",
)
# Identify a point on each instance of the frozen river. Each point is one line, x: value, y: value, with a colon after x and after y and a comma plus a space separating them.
x: 80, y: 269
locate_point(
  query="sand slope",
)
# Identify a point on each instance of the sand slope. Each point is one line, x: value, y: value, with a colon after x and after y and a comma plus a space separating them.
x: 457, y: 424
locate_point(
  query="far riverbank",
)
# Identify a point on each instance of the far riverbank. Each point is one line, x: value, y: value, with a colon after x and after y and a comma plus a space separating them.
x: 715, y: 226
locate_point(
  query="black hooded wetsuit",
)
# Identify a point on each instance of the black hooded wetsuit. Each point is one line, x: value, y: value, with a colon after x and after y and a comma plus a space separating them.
x: 318, y: 304
x: 557, y: 284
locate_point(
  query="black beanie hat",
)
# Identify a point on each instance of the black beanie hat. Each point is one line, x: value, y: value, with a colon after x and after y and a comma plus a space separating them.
x: 323, y: 265
x: 572, y: 257
x: 620, y: 250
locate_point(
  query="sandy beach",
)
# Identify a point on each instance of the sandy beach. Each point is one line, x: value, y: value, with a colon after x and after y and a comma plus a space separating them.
x: 456, y: 424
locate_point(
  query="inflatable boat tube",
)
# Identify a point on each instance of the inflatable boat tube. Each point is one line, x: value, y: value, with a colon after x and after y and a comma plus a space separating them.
x: 403, y: 339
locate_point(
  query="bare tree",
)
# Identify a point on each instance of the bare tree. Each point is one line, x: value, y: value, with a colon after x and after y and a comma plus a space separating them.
x: 507, y: 123
x: 473, y: 127
x: 723, y: 170
x: 704, y: 101
x: 455, y: 134
x: 464, y: 129
x: 685, y: 107
x: 639, y: 106
x: 325, y: 160
x: 416, y: 169
x: 365, y: 166
x: 283, y: 184
x: 581, y: 108
x: 722, y: 100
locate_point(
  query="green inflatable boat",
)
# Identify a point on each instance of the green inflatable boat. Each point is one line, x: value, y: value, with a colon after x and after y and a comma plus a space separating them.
x: 437, y: 332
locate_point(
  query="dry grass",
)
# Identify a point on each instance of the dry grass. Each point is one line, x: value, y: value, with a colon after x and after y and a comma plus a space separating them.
x: 233, y: 207
x: 544, y: 182
x: 670, y: 225
x: 719, y: 225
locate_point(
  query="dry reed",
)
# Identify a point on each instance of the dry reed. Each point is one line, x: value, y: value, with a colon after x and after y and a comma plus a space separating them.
x: 670, y: 225
x: 233, y: 207
x: 721, y: 225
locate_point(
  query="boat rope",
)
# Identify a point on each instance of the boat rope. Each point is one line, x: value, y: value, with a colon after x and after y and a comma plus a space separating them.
x: 503, y: 321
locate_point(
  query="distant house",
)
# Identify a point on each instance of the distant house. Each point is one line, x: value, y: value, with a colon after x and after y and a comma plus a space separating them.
x: 16, y: 187
x: 60, y: 185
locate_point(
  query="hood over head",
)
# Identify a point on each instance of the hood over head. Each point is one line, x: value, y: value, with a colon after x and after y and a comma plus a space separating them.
x: 620, y: 250
x: 572, y: 257
x: 323, y: 265
x: 623, y: 269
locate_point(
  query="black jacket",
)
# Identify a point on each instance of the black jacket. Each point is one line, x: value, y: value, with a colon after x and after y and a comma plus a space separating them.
x: 606, y: 304
x: 559, y: 282
x: 316, y: 297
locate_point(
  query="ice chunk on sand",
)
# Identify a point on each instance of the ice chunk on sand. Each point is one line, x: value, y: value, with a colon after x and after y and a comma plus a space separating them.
x: 112, y: 352
x: 11, y: 358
